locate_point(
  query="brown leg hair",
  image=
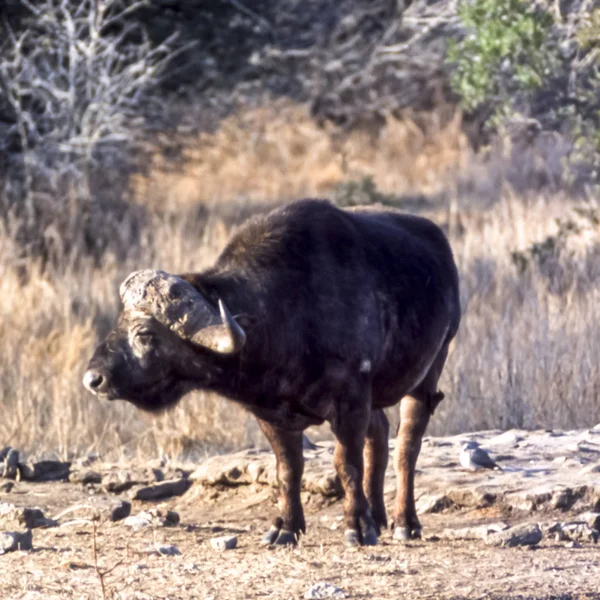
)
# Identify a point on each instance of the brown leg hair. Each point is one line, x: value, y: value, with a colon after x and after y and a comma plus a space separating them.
x: 350, y: 427
x: 415, y: 410
x: 414, y: 416
x: 287, y: 446
x: 376, y: 459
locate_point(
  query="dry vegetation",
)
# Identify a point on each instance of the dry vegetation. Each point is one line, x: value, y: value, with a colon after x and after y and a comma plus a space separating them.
x: 526, y: 355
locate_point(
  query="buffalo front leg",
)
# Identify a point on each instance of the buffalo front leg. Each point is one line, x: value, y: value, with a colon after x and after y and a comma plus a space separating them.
x: 287, y: 446
x: 414, y: 416
x: 350, y: 429
x: 376, y: 460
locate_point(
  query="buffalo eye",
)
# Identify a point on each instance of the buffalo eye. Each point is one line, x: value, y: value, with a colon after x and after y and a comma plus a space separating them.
x: 144, y: 337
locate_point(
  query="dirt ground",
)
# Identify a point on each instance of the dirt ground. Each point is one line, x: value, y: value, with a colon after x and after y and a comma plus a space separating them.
x: 108, y: 560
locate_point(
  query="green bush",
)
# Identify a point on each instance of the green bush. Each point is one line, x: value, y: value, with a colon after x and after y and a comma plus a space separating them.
x: 361, y: 192
x: 507, y: 52
x: 588, y: 34
x: 516, y: 67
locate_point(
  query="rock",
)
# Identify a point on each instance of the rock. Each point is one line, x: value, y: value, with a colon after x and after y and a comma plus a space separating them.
x: 324, y: 590
x: 479, y: 532
x: 139, y: 521
x: 85, y: 477
x: 593, y: 468
x: 29, y: 518
x: 164, y: 550
x: 46, y: 470
x: 592, y: 519
x: 436, y: 443
x: 255, y: 470
x: 170, y: 519
x: 224, y: 542
x: 521, y: 535
x: 477, y: 498
x: 328, y: 485
x: 87, y: 461
x: 563, y: 499
x: 154, y: 517
x: 531, y: 499
x: 220, y: 470
x: 509, y: 438
x: 121, y: 511
x: 307, y: 444
x: 590, y: 448
x: 166, y: 489
x: 6, y: 486
x: 433, y: 503
x: 15, y: 540
x: 10, y: 465
x: 578, y: 532
x: 124, y: 479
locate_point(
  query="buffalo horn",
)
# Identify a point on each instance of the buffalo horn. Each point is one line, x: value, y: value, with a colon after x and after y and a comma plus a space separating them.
x: 225, y: 338
x: 176, y: 303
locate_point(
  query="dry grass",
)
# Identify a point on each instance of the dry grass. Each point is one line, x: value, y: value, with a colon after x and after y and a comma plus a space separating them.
x: 524, y: 357
x: 280, y: 153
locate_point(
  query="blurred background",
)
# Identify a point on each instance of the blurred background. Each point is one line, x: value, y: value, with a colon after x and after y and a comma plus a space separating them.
x: 140, y: 134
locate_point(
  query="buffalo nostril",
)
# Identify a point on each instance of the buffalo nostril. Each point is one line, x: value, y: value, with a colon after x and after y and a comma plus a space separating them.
x: 93, y: 381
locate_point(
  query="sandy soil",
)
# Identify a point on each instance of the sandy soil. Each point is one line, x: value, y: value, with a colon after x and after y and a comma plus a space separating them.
x: 74, y: 561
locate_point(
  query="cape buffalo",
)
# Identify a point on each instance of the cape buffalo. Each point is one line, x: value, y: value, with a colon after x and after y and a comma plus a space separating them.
x: 310, y: 314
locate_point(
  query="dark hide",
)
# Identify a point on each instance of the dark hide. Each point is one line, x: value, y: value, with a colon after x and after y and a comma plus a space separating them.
x: 344, y: 313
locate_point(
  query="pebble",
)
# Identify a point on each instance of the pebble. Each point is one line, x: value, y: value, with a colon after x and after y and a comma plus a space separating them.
x: 85, y: 477
x: 324, y: 590
x: 121, y: 511
x: 139, y: 521
x: 521, y: 535
x: 29, y: 518
x: 164, y: 550
x: 15, y: 540
x: 155, y: 517
x: 224, y: 542
x: 11, y: 463
x: 591, y: 518
x: 6, y: 486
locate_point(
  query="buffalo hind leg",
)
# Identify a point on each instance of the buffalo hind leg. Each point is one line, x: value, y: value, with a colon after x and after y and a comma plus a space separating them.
x: 415, y: 410
x: 376, y: 460
x: 414, y: 416
x: 287, y: 446
x: 350, y: 428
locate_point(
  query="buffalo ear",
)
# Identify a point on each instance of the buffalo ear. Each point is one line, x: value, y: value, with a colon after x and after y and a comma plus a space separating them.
x: 227, y: 337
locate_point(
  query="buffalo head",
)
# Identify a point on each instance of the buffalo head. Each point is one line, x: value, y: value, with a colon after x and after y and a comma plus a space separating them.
x: 168, y: 340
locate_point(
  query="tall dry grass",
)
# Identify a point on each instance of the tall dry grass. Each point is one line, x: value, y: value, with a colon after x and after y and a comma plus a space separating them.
x: 524, y: 356
x: 270, y: 155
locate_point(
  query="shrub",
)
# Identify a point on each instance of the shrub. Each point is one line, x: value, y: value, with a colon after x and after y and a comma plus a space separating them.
x: 507, y: 53
x: 523, y: 74
x: 78, y: 81
x: 360, y: 192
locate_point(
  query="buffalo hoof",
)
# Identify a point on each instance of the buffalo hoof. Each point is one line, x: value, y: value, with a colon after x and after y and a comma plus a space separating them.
x: 370, y: 537
x: 404, y: 534
x: 279, y: 537
x: 353, y: 538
